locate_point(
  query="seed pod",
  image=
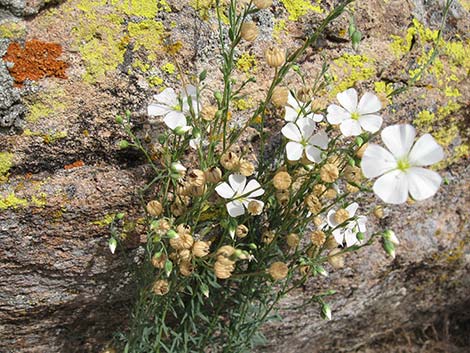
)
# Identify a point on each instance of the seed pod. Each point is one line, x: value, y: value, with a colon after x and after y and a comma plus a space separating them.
x: 249, y: 31
x: 280, y: 96
x: 201, y: 248
x: 335, y: 260
x: 341, y: 216
x: 208, y: 112
x: 275, y: 56
x: 292, y: 240
x: 160, y: 287
x: 196, y: 177
x: 318, y: 238
x: 230, y: 161
x: 278, y: 270
x: 154, y: 208
x: 213, y: 175
x: 282, y: 180
x: 241, y: 231
x: 263, y: 4
x: 329, y: 173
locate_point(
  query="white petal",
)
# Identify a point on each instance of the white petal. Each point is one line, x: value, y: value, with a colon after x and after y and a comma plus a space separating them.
x: 291, y: 131
x: 292, y: 101
x: 174, y: 119
x: 369, y: 104
x: 338, y: 234
x: 294, y: 151
x: 237, y: 183
x: 313, y: 154
x: 371, y: 122
x: 224, y: 190
x: 350, y: 127
x: 190, y: 91
x: 306, y: 127
x: 352, y: 208
x: 423, y: 183
x: 317, y: 117
x: 337, y: 114
x: 426, y: 151
x: 392, y: 187
x: 320, y: 140
x: 350, y: 237
x: 361, y: 223
x: 167, y: 97
x: 377, y: 161
x: 348, y: 99
x: 399, y: 139
x: 235, y: 208
x: 330, y: 218
x: 253, y: 185
x: 291, y: 114
x: 155, y: 109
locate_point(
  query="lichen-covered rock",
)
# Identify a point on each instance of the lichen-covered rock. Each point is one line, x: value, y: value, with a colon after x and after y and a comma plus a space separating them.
x: 62, y: 175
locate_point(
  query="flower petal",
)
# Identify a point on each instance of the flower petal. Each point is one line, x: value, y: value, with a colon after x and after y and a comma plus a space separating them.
x: 399, y: 139
x: 291, y: 114
x: 371, y: 122
x: 224, y: 190
x: 361, y: 223
x: 174, y: 119
x: 348, y: 99
x: 317, y: 117
x: 377, y: 161
x: 392, y: 187
x: 155, y: 109
x: 350, y: 237
x: 423, y: 183
x: 320, y: 139
x: 352, y: 208
x: 253, y: 189
x: 338, y: 234
x: 237, y: 183
x: 235, y: 208
x: 294, y: 151
x: 292, y: 101
x: 350, y: 127
x: 426, y: 151
x: 306, y: 127
x: 369, y: 104
x: 330, y: 218
x: 291, y: 131
x: 337, y: 114
x: 167, y: 97
x: 313, y: 154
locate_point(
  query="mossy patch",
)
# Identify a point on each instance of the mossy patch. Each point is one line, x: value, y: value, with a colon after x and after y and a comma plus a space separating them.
x: 299, y: 8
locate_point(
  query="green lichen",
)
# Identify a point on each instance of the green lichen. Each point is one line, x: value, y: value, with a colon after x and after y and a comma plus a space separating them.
x: 155, y: 81
x: 349, y: 69
x: 6, y: 162
x: 11, y: 201
x: 12, y: 30
x: 47, y: 103
x: 105, y: 221
x: 299, y: 8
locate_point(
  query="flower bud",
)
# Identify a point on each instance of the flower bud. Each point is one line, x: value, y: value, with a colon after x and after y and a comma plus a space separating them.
x: 391, y: 236
x: 213, y: 175
x: 335, y: 260
x: 280, y: 96
x: 218, y: 97
x: 123, y: 144
x: 389, y: 248
x: 181, y: 130
x: 171, y: 234
x: 249, y: 31
x: 321, y: 271
x: 326, y: 311
x: 177, y: 167
x: 241, y: 231
x: 154, y: 208
x: 282, y: 180
x: 263, y: 4
x: 329, y: 173
x: 112, y: 243
x: 119, y: 119
x: 160, y: 287
x: 275, y: 57
x: 278, y: 270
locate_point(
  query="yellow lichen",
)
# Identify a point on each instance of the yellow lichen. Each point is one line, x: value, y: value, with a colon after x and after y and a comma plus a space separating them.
x: 169, y: 68
x: 11, y: 201
x: 247, y: 63
x: 147, y: 34
x: 141, y: 8
x: 155, y: 81
x: 105, y: 221
x: 299, y: 8
x: 243, y: 104
x: 12, y: 30
x: 349, y: 69
x: 280, y: 26
x: 6, y: 162
x: 46, y: 104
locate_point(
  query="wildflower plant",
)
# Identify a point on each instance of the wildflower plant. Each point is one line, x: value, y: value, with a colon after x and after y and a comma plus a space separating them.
x: 230, y: 230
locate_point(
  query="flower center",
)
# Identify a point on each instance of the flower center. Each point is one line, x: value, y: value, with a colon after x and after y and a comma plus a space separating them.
x: 403, y: 164
x: 355, y: 116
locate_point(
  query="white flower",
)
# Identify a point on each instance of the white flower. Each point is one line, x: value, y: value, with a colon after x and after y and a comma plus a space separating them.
x: 177, y: 167
x: 401, y: 168
x: 240, y: 193
x: 294, y: 111
x: 174, y: 111
x: 354, y: 117
x: 304, y: 141
x: 348, y: 232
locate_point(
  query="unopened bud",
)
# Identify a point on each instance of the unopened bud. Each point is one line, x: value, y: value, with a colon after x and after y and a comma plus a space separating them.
x: 123, y: 144
x: 112, y: 243
x: 326, y: 311
x: 391, y: 236
x: 172, y: 234
x: 389, y: 248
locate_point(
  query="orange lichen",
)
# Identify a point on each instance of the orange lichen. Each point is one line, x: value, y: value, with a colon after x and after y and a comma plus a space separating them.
x: 75, y: 164
x: 35, y: 61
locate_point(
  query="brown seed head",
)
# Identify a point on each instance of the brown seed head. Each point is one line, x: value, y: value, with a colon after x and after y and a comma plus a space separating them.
x: 319, y: 189
x: 184, y: 255
x: 154, y: 208
x: 335, y: 260
x: 360, y: 151
x: 292, y: 240
x: 282, y: 196
x: 225, y: 251
x: 255, y: 208
x: 341, y: 216
x: 275, y: 56
x: 158, y: 260
x: 196, y: 177
x: 160, y: 287
x: 249, y: 31
x: 230, y: 161
x: 208, y: 112
x: 223, y: 269
x: 263, y: 4
x: 379, y: 212
x: 278, y: 270
x: 267, y: 237
x: 329, y: 173
x: 313, y: 204
x: 186, y: 268
x: 201, y: 248
x: 282, y: 180
x: 318, y: 238
x: 280, y: 96
x: 213, y: 175
x: 246, y: 168
x: 241, y: 231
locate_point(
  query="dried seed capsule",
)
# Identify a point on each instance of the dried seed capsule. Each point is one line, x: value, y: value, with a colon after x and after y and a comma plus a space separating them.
x: 275, y: 56
x: 249, y: 31
x: 278, y: 270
